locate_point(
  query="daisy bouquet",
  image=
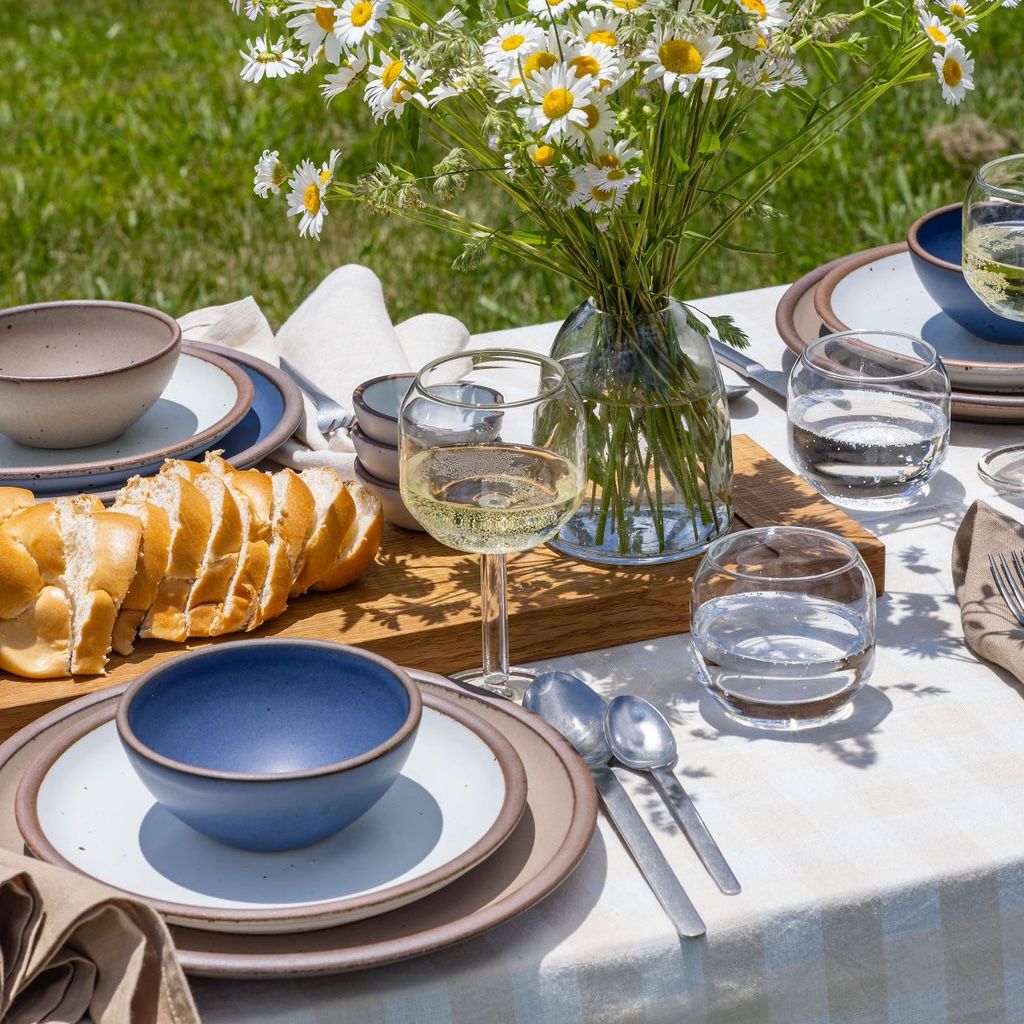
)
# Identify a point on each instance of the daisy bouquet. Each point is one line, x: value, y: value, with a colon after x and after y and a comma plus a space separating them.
x: 621, y: 136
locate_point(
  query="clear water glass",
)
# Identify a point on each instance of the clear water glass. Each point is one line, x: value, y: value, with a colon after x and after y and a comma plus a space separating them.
x: 993, y: 236
x: 869, y: 417
x: 782, y: 624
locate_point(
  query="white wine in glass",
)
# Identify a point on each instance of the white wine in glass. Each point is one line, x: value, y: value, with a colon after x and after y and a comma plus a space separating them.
x: 492, y: 461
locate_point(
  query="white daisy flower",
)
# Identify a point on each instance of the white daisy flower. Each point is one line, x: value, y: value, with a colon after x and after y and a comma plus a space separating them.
x: 391, y: 85
x: 770, y: 73
x: 264, y: 60
x: 955, y: 68
x: 558, y: 101
x: 679, y: 62
x: 576, y: 186
x: 938, y: 33
x: 271, y: 174
x: 314, y: 28
x: 551, y: 9
x: 601, y: 62
x: 960, y: 12
x: 337, y: 82
x: 306, y: 199
x: 1010, y: 3
x: 599, y: 199
x: 359, y: 19
x: 254, y: 8
x: 543, y: 155
x: 611, y: 170
x: 769, y: 14
x: 600, y: 122
x: 513, y: 40
x: 327, y: 169
x: 454, y: 18
x: 598, y: 27
x: 446, y: 90
x: 508, y: 88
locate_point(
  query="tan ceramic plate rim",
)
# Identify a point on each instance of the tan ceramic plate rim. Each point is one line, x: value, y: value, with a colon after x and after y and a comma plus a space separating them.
x: 157, y: 314
x: 243, y: 402
x: 239, y: 963
x: 327, y: 912
x: 970, y: 402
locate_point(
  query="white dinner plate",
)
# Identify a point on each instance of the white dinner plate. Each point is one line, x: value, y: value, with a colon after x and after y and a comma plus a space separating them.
x: 206, y: 396
x: 460, y: 795
x: 879, y: 289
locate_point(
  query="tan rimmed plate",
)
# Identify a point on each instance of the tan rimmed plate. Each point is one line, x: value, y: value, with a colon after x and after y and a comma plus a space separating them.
x: 798, y: 322
x: 541, y: 852
x: 462, y: 791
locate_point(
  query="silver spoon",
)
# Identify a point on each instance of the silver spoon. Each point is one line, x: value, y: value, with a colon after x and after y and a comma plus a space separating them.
x: 577, y: 712
x: 733, y: 391
x: 641, y: 738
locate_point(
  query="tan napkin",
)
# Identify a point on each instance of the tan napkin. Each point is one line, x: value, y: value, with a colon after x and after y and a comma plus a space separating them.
x: 70, y: 947
x: 340, y: 336
x: 990, y: 628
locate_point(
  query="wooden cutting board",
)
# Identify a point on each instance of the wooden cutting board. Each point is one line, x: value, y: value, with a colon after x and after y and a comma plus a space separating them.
x: 419, y: 604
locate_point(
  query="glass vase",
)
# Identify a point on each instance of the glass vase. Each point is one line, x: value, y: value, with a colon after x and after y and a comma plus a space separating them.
x: 659, y: 452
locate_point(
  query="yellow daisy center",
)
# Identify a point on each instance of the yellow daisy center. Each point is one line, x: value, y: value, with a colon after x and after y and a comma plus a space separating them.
x: 761, y: 43
x: 602, y: 195
x: 937, y: 34
x: 311, y: 199
x: 391, y: 73
x: 958, y: 11
x: 585, y: 66
x: 952, y: 72
x: 542, y: 156
x: 361, y: 13
x: 512, y: 42
x: 538, y: 61
x: 325, y: 176
x: 608, y: 160
x: 324, y: 17
x: 617, y: 174
x: 602, y: 35
x: 758, y: 8
x: 514, y: 82
x: 570, y: 186
x: 593, y: 115
x: 680, y: 57
x: 557, y: 103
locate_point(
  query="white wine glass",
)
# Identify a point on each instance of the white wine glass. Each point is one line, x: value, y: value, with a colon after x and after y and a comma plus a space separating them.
x: 493, y: 453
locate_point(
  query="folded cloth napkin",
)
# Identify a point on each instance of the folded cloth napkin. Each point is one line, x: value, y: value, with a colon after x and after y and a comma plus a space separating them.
x: 339, y: 337
x: 70, y: 946
x: 990, y: 628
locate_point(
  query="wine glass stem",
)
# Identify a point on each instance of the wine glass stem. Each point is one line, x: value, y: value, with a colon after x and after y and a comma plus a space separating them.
x: 494, y: 615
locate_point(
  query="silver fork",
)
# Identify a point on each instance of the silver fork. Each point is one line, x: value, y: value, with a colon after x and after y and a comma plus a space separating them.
x: 330, y: 415
x: 1010, y: 581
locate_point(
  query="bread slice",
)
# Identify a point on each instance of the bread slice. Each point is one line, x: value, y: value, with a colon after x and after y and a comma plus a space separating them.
x: 35, y: 625
x: 14, y: 499
x: 254, y: 495
x: 335, y: 514
x: 361, y: 543
x: 191, y: 520
x: 220, y: 561
x: 292, y: 522
x: 101, y: 550
x: 149, y: 570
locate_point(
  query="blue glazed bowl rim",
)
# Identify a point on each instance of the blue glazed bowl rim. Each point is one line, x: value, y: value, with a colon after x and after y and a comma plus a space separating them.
x: 404, y: 731
x: 919, y: 250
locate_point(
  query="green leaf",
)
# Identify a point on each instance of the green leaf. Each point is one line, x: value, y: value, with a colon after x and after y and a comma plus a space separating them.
x: 682, y: 167
x: 411, y: 127
x: 709, y: 142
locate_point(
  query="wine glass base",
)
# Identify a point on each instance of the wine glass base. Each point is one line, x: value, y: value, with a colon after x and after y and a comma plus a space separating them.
x: 494, y: 684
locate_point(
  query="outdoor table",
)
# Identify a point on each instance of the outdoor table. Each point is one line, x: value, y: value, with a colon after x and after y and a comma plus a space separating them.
x: 881, y: 858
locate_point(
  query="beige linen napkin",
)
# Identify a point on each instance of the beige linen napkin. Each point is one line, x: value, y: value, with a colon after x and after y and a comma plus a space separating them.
x: 340, y: 336
x: 990, y: 628
x: 70, y: 947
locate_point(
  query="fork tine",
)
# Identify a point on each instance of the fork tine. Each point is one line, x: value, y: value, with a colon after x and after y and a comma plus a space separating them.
x: 1018, y: 563
x: 1007, y: 588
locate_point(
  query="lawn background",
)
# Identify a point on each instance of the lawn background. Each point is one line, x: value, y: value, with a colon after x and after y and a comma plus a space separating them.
x: 128, y: 141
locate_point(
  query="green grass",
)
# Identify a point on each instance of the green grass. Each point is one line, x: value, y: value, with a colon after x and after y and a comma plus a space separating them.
x: 128, y: 142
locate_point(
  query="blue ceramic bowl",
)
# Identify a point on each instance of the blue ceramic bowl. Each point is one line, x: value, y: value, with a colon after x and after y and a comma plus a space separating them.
x: 270, y: 744
x: 935, y: 242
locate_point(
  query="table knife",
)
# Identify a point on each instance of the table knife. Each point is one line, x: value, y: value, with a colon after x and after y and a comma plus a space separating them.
x: 647, y: 854
x: 775, y: 381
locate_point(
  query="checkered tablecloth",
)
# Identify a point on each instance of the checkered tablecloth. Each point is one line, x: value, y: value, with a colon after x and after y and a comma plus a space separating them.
x: 882, y: 859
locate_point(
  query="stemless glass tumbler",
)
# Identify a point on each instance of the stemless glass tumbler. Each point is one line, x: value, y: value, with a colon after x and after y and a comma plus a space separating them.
x: 782, y: 623
x: 493, y: 461
x: 869, y: 417
x: 993, y: 236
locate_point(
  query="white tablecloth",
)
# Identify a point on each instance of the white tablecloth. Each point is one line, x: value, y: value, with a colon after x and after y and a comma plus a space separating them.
x: 882, y: 859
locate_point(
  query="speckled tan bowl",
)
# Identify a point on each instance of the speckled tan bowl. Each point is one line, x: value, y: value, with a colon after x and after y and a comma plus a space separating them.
x: 78, y: 373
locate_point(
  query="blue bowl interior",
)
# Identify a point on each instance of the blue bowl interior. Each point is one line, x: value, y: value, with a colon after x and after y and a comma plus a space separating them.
x: 274, y: 708
x: 942, y: 236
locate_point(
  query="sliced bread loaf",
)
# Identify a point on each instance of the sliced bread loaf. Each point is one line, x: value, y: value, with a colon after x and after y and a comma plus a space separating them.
x: 14, y: 499
x: 335, y: 514
x: 361, y: 543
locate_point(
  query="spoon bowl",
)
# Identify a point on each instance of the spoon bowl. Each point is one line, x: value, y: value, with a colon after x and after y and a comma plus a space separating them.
x: 639, y: 735
x: 575, y: 710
